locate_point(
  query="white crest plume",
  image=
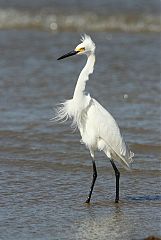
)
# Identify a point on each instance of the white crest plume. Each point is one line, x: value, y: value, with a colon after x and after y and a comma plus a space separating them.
x: 87, y: 41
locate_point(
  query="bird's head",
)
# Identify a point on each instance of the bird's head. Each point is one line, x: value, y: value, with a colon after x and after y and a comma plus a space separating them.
x: 87, y: 47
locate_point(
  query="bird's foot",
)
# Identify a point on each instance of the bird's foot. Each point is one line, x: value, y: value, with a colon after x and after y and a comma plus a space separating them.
x: 88, y: 200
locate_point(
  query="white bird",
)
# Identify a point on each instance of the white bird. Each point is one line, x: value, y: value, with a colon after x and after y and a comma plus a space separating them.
x: 98, y: 129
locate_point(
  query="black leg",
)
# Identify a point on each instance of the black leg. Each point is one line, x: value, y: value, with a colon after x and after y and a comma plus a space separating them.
x: 93, y: 181
x: 117, y: 174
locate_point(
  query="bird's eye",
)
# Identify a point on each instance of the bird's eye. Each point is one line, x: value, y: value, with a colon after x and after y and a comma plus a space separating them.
x: 82, y: 49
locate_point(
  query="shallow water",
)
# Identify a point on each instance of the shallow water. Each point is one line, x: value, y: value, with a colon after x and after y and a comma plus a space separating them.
x: 45, y: 173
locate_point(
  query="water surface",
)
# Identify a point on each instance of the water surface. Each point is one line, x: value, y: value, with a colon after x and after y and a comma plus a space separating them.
x: 45, y: 172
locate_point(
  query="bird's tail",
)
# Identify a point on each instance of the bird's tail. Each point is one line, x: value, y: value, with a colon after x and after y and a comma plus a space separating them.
x: 125, y: 158
x: 126, y: 161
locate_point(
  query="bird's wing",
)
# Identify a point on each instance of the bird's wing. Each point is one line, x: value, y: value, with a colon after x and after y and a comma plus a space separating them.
x: 109, y: 131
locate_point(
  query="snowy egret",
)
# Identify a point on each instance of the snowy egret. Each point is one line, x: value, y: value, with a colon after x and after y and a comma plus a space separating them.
x: 98, y: 129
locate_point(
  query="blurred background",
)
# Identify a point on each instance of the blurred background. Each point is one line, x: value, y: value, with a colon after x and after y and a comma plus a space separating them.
x: 74, y: 15
x: 45, y: 173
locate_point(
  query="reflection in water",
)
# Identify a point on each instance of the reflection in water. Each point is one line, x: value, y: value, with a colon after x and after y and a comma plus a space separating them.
x: 122, y: 221
x: 110, y: 226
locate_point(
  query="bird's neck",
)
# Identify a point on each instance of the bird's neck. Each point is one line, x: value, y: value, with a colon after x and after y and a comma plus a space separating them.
x: 83, y: 77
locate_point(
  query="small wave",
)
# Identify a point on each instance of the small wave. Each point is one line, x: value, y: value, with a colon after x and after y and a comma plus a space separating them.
x: 145, y: 198
x: 89, y: 21
x: 147, y: 148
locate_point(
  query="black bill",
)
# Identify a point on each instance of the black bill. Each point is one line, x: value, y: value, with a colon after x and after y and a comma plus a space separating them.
x: 68, y: 55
